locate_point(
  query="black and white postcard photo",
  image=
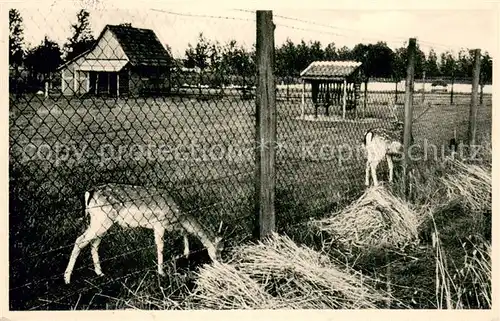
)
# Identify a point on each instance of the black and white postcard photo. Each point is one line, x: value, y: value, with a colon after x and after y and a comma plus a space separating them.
x: 167, y: 156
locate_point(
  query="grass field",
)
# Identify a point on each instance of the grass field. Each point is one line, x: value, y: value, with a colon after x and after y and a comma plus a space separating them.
x: 199, y: 150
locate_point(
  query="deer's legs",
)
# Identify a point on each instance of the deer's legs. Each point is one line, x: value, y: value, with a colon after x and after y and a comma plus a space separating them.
x: 186, y: 244
x: 95, y: 256
x: 390, y: 164
x: 373, y: 167
x: 159, y: 231
x: 367, y: 174
x: 81, y: 242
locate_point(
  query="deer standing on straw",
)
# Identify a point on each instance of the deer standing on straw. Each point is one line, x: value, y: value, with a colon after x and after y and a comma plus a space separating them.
x: 136, y: 206
x: 383, y: 143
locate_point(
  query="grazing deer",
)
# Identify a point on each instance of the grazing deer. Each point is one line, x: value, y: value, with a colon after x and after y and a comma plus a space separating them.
x: 136, y: 206
x: 383, y: 143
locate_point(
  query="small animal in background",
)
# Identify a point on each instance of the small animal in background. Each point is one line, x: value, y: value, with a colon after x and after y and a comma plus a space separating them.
x: 137, y: 206
x: 383, y: 143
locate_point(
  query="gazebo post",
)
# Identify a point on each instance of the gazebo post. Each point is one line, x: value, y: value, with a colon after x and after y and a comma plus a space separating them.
x: 302, y: 111
x: 344, y: 98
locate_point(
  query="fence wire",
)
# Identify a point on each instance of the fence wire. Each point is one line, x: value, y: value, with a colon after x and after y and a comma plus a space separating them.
x: 322, y: 149
x: 155, y: 146
x: 121, y: 135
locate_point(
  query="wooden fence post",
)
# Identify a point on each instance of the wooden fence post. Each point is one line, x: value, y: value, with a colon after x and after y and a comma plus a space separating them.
x: 474, y: 97
x: 452, y: 83
x: 423, y: 88
x: 481, y: 86
x: 265, y: 104
x: 410, y: 70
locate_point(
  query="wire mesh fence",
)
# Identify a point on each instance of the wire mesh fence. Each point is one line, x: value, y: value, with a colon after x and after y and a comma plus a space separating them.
x: 322, y: 147
x: 122, y: 113
x: 121, y: 135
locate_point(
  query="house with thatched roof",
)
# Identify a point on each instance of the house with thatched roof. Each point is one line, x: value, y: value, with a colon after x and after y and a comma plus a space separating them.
x: 123, y: 61
x: 333, y: 83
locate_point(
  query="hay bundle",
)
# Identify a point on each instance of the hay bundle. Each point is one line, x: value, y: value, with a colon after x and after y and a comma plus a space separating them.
x: 377, y: 219
x: 469, y: 182
x: 222, y: 286
x: 303, y: 277
x: 278, y: 274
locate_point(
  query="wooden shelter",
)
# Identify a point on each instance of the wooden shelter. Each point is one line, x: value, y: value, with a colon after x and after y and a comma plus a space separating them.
x: 123, y: 61
x: 333, y: 83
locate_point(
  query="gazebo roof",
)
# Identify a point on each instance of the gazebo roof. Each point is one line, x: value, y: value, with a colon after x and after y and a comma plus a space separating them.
x: 333, y: 70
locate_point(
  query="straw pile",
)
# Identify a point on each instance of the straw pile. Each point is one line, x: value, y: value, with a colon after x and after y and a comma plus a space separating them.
x: 377, y: 219
x: 222, y: 286
x: 279, y: 274
x: 470, y: 183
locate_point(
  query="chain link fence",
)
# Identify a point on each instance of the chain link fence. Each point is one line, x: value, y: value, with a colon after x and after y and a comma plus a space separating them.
x: 182, y: 141
x: 322, y: 147
x: 122, y: 113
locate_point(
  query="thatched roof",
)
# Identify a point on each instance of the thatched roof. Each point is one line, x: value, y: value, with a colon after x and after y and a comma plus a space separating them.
x: 325, y: 70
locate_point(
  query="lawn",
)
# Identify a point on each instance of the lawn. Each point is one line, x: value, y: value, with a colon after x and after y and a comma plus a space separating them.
x: 201, y: 151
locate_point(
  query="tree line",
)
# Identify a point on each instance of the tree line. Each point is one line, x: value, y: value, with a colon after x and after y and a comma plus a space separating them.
x: 380, y: 61
x: 39, y: 62
x: 225, y: 62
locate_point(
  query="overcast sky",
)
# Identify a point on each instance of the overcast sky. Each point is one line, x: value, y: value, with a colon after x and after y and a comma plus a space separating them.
x: 442, y: 29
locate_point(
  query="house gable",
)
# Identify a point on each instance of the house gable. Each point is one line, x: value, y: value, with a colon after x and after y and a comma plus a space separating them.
x: 107, y: 47
x: 116, y: 48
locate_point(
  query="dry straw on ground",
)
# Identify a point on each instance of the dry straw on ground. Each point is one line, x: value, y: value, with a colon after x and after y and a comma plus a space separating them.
x: 377, y: 219
x: 222, y: 286
x: 471, y: 183
x: 277, y: 274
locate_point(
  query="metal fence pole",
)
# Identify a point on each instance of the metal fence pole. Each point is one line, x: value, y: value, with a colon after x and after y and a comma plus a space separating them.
x: 265, y: 103
x: 474, y: 97
x: 408, y: 109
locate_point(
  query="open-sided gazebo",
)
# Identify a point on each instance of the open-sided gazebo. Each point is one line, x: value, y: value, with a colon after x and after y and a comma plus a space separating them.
x: 334, y: 83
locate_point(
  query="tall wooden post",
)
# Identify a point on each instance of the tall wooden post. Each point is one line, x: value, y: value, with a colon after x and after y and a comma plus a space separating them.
x: 474, y: 97
x: 481, y: 86
x: 265, y: 104
x: 410, y: 70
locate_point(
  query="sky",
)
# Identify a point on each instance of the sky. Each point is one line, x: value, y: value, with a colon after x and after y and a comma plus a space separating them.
x: 178, y: 25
